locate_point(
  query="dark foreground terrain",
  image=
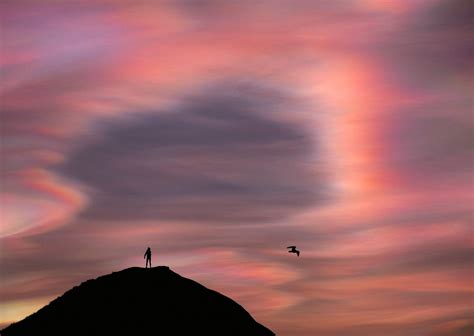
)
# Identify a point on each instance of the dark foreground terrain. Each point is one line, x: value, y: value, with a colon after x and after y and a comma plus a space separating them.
x: 138, y: 301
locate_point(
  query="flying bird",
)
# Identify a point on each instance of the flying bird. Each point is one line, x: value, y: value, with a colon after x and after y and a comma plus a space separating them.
x: 293, y: 250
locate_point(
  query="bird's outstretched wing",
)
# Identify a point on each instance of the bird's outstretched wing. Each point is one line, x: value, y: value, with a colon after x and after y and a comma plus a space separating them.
x: 291, y: 247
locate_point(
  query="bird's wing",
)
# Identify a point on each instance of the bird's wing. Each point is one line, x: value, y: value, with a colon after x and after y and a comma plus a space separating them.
x: 291, y: 247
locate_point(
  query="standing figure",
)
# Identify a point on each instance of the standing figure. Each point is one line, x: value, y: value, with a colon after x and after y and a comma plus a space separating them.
x: 147, y: 255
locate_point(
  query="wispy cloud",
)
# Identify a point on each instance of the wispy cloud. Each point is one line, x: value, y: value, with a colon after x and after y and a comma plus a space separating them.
x: 218, y: 133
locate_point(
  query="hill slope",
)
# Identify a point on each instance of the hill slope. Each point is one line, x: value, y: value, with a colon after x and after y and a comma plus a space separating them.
x: 138, y: 301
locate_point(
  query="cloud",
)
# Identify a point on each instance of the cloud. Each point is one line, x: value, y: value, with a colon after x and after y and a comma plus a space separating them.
x: 87, y: 127
x: 220, y: 157
x: 433, y: 45
x: 430, y: 142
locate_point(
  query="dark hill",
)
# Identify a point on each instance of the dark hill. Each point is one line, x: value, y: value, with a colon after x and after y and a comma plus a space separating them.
x: 138, y: 301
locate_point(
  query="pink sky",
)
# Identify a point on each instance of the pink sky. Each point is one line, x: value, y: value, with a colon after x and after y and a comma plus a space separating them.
x: 218, y: 133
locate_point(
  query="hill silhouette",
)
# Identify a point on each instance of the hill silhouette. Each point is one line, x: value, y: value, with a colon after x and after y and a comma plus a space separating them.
x: 138, y: 301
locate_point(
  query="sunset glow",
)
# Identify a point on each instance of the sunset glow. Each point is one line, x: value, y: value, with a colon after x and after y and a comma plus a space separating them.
x: 220, y: 132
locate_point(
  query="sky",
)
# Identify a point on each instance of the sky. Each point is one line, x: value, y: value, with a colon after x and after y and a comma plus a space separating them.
x: 220, y: 132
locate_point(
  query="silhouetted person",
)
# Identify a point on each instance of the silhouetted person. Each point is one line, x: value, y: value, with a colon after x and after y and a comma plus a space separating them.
x: 293, y: 250
x: 147, y: 255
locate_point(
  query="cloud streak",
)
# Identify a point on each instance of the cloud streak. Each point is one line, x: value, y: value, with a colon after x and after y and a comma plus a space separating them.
x: 220, y: 133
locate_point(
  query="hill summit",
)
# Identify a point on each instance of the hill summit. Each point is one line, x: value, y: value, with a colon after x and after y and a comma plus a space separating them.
x: 138, y: 301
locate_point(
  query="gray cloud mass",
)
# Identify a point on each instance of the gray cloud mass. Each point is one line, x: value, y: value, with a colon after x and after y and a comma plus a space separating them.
x: 221, y: 157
